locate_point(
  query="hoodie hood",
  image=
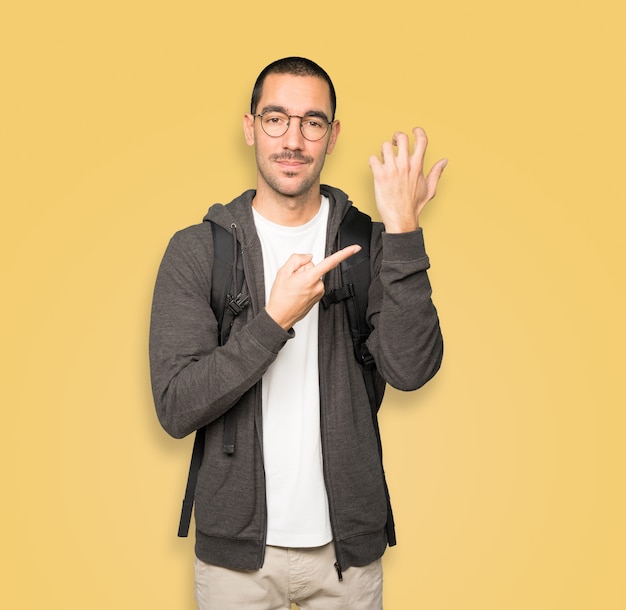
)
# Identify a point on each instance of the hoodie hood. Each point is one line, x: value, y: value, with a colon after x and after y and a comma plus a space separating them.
x: 239, y: 213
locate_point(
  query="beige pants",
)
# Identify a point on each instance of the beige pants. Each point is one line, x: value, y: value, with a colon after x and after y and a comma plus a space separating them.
x: 306, y: 577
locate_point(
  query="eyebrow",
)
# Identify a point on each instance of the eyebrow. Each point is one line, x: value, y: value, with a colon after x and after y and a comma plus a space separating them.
x: 310, y: 113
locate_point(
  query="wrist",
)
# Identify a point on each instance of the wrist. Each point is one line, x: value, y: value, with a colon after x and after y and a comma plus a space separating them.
x: 278, y: 317
x: 401, y: 227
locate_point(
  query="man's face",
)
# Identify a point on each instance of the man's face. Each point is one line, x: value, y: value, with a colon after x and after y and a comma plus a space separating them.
x: 289, y: 164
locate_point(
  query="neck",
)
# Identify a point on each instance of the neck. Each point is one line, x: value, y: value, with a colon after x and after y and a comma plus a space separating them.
x: 285, y: 210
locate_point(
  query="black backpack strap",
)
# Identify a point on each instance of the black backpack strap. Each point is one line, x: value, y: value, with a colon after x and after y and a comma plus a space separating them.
x: 356, y: 228
x: 227, y: 302
x: 192, y: 479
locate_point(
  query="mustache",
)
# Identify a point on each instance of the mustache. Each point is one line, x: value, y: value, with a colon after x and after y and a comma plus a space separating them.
x: 291, y: 156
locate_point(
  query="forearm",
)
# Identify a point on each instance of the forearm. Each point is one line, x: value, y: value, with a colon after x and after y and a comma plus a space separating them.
x: 406, y: 340
x: 196, y: 384
x: 194, y: 381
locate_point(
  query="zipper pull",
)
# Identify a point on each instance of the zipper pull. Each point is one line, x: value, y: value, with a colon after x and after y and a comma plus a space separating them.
x: 339, y: 574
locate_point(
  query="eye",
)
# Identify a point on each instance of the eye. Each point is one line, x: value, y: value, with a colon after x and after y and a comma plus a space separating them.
x: 275, y: 119
x: 313, y: 123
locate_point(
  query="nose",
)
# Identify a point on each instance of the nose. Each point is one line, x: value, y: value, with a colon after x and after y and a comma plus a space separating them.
x: 293, y: 138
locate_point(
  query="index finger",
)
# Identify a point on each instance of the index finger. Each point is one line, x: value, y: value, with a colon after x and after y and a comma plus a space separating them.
x: 330, y: 262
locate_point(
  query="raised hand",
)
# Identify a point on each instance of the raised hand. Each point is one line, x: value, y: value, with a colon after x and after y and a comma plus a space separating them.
x: 298, y: 285
x: 400, y: 187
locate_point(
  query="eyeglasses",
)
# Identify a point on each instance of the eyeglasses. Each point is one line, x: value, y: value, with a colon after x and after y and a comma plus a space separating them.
x: 276, y: 124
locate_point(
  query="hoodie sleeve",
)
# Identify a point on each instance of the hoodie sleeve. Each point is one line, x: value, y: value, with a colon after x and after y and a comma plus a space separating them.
x: 193, y: 380
x: 406, y: 340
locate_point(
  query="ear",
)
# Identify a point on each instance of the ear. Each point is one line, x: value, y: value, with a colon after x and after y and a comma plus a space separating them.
x: 335, y: 128
x: 248, y: 128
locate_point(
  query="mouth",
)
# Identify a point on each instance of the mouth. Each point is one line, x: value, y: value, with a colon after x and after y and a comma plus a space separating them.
x: 289, y: 165
x: 291, y: 161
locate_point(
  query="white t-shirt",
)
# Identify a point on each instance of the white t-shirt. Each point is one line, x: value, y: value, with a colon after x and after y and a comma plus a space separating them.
x: 297, y: 504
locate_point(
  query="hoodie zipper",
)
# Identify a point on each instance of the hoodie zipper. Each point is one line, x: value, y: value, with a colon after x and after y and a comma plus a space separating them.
x: 257, y: 406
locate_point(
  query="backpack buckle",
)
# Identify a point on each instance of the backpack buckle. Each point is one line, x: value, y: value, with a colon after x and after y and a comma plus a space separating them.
x: 237, y: 304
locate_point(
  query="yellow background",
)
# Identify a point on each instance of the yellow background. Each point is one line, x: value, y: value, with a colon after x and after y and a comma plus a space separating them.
x: 121, y: 123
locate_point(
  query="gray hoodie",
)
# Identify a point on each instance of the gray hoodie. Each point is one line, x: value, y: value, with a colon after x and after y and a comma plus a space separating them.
x: 195, y: 381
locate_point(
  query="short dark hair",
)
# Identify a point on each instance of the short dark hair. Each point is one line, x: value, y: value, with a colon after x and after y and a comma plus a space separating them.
x: 298, y: 66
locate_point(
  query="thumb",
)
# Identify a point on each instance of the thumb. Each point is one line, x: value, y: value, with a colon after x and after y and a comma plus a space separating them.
x: 433, y: 176
x: 438, y: 168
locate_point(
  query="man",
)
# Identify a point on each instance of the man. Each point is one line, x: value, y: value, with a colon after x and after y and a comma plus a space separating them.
x: 295, y: 509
